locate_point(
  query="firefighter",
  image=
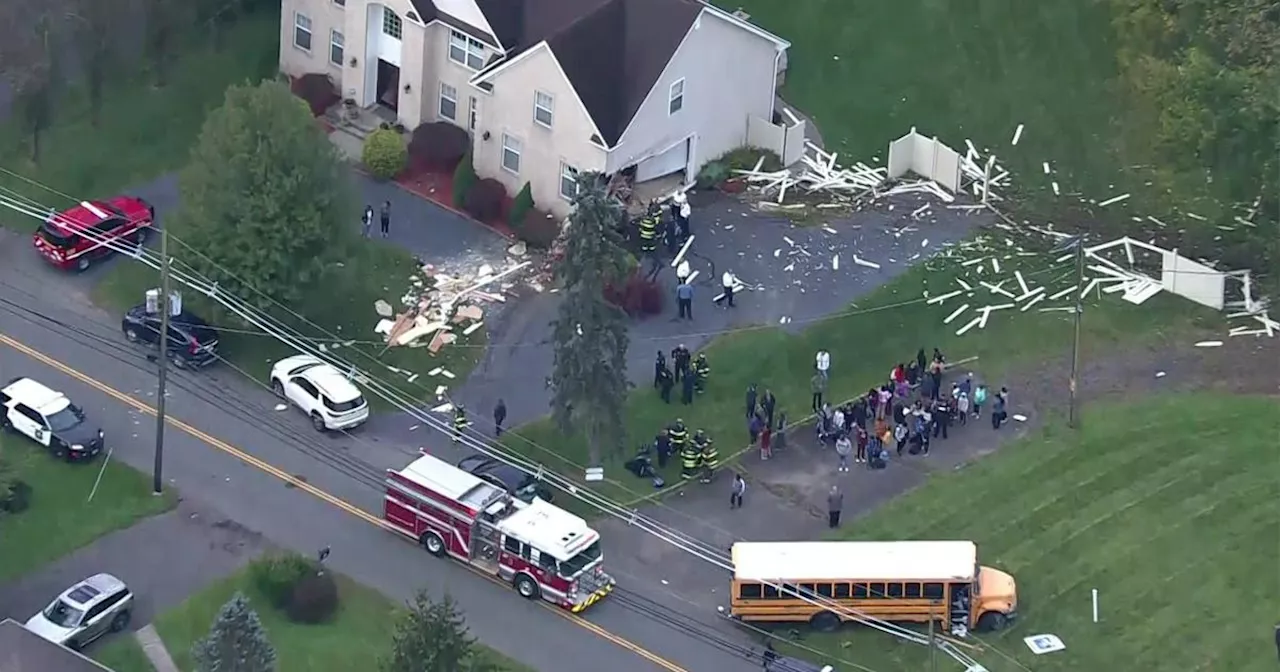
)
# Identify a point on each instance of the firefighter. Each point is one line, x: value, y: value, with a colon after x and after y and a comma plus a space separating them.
x: 460, y: 422
x: 678, y: 435
x: 665, y: 383
x: 701, y: 370
x: 648, y: 232
x: 691, y: 457
x: 708, y: 457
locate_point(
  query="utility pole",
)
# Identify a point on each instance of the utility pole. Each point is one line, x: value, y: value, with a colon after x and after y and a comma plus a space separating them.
x: 157, y: 484
x: 1073, y: 415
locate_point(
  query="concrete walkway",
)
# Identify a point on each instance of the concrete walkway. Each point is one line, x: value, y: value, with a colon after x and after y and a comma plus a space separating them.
x: 155, y: 650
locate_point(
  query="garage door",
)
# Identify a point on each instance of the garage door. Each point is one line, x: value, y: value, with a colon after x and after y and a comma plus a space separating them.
x: 671, y: 161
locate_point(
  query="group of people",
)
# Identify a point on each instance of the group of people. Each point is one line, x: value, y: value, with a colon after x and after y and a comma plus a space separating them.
x: 761, y: 428
x: 673, y: 229
x: 690, y: 372
x: 697, y: 452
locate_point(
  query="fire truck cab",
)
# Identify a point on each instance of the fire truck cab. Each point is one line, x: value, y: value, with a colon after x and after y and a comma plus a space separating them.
x: 542, y: 550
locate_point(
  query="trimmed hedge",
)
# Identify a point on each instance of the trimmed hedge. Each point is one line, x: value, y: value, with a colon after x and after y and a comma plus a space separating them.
x: 520, y: 207
x: 317, y: 90
x: 464, y: 177
x: 384, y: 154
x: 314, y: 599
x: 485, y: 199
x: 438, y: 147
x: 275, y: 576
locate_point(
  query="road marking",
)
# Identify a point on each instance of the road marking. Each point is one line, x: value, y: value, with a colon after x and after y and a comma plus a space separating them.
x: 314, y: 491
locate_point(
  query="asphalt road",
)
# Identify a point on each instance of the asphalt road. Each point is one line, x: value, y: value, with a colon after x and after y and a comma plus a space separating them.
x: 232, y: 437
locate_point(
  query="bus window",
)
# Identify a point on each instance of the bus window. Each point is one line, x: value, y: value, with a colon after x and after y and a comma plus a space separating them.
x: 877, y: 590
x: 895, y: 590
x: 933, y: 591
x: 749, y: 591
x: 808, y: 589
x: 860, y: 591
x: 911, y: 591
x: 842, y: 591
x: 824, y: 590
x: 770, y: 593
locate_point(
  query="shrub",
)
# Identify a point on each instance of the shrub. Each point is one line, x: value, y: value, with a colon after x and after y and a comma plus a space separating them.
x: 384, y: 154
x: 464, y: 177
x: 438, y: 147
x: 538, y: 229
x: 275, y: 576
x: 317, y: 90
x: 484, y: 200
x: 712, y: 174
x: 638, y: 296
x: 314, y: 599
x: 520, y: 208
x: 17, y: 498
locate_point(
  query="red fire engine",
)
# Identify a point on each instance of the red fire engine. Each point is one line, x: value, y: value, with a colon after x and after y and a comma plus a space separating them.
x: 77, y: 236
x: 542, y: 550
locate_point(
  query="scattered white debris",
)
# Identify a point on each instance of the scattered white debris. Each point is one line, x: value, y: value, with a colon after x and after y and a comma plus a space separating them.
x: 447, y: 374
x: 956, y: 313
x: 863, y: 262
x: 1017, y: 135
x: 442, y: 408
x: 1113, y: 200
x: 1161, y: 374
x: 282, y: 407
x: 835, y: 262
x: 1019, y: 417
x: 1209, y: 344
x: 943, y: 297
x: 969, y: 325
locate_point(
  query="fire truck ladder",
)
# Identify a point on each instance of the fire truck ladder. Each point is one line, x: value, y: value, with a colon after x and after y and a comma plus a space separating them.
x: 294, y: 340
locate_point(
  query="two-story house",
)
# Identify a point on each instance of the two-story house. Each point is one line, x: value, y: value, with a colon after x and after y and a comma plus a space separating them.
x: 549, y: 88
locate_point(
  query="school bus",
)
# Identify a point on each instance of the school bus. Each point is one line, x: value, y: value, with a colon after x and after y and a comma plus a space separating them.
x: 901, y: 581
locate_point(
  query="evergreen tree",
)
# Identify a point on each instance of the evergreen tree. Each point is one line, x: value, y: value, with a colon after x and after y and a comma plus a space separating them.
x: 236, y: 642
x: 432, y: 637
x: 265, y: 199
x: 590, y: 334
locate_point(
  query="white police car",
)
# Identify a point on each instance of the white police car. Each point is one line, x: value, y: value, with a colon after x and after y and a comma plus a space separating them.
x: 50, y: 419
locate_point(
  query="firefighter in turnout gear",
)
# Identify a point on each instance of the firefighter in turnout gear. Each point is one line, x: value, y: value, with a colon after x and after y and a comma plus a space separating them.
x: 649, y: 230
x: 691, y: 457
x: 710, y: 459
x: 460, y: 422
x: 701, y: 370
x: 679, y: 437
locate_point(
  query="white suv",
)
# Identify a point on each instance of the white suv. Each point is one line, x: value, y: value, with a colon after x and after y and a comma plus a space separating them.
x: 327, y: 397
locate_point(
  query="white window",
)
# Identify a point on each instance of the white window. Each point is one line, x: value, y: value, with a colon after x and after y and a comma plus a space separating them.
x: 568, y: 181
x: 335, y: 47
x: 391, y: 24
x: 675, y: 97
x: 511, y: 153
x: 473, y: 113
x: 543, y: 108
x: 301, y: 31
x: 340, y: 3
x: 465, y: 50
x: 448, y: 102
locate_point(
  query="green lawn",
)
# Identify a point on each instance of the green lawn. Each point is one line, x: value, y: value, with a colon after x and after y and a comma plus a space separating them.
x: 1167, y: 506
x: 354, y: 640
x: 864, y: 346
x: 60, y: 491
x: 144, y: 131
x: 121, y: 653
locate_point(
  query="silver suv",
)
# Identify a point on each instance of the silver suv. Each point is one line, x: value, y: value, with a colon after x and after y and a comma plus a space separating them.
x: 85, y: 612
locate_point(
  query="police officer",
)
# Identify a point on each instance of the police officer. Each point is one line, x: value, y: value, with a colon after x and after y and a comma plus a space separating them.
x: 687, y: 388
x: 701, y: 370
x: 662, y: 446
x: 649, y: 231
x: 691, y: 457
x: 659, y: 365
x: 460, y: 422
x: 665, y: 383
x: 680, y: 359
x: 669, y: 236
x: 710, y: 458
x: 678, y: 435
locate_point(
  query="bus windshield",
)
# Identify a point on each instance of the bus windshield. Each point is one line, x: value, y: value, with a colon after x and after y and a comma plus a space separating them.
x: 573, y: 566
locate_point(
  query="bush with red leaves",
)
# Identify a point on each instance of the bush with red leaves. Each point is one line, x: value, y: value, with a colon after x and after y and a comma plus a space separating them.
x: 485, y: 199
x: 638, y: 296
x: 318, y: 90
x: 438, y: 147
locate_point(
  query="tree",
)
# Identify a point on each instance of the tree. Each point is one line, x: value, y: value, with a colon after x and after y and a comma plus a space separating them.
x: 265, y: 197
x: 237, y: 642
x: 590, y: 371
x: 28, y: 58
x: 163, y: 20
x: 432, y: 637
x: 96, y: 34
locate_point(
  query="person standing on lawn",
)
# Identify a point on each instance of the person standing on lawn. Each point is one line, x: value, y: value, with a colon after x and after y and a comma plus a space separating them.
x: 835, y: 502
x: 768, y: 403
x: 822, y: 361
x: 844, y: 448
x: 680, y: 358
x: 979, y: 398
x: 686, y: 389
x: 754, y: 426
x: 818, y: 386
x: 780, y: 436
x: 366, y: 221
x: 659, y: 365
x: 665, y: 383
x: 751, y: 400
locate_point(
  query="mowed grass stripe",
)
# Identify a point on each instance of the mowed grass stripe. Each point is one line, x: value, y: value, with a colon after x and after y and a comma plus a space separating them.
x: 1168, y: 506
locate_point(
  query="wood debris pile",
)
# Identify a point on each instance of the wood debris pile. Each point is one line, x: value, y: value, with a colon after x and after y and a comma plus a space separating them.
x: 817, y: 172
x: 439, y: 308
x: 982, y: 175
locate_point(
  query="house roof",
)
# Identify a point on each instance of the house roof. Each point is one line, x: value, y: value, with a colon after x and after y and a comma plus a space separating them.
x: 24, y: 651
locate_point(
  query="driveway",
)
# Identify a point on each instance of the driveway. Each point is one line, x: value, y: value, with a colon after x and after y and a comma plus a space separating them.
x: 163, y: 560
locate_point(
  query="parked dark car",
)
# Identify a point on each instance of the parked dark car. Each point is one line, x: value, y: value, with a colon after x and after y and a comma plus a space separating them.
x: 520, y: 483
x: 192, y: 342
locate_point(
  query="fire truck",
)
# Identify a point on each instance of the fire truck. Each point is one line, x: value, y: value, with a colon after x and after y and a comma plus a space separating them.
x: 543, y: 551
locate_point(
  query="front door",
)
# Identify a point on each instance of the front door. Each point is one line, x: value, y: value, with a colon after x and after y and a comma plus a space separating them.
x: 388, y: 84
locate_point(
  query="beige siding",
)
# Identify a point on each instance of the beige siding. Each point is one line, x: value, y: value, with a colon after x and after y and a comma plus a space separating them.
x: 510, y: 111
x: 325, y: 16
x: 447, y: 71
x: 729, y: 76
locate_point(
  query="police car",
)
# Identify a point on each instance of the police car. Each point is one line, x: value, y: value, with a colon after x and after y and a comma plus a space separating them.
x: 50, y: 419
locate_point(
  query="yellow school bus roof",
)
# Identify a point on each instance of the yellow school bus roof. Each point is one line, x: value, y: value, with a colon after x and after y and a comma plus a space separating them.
x: 794, y: 562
